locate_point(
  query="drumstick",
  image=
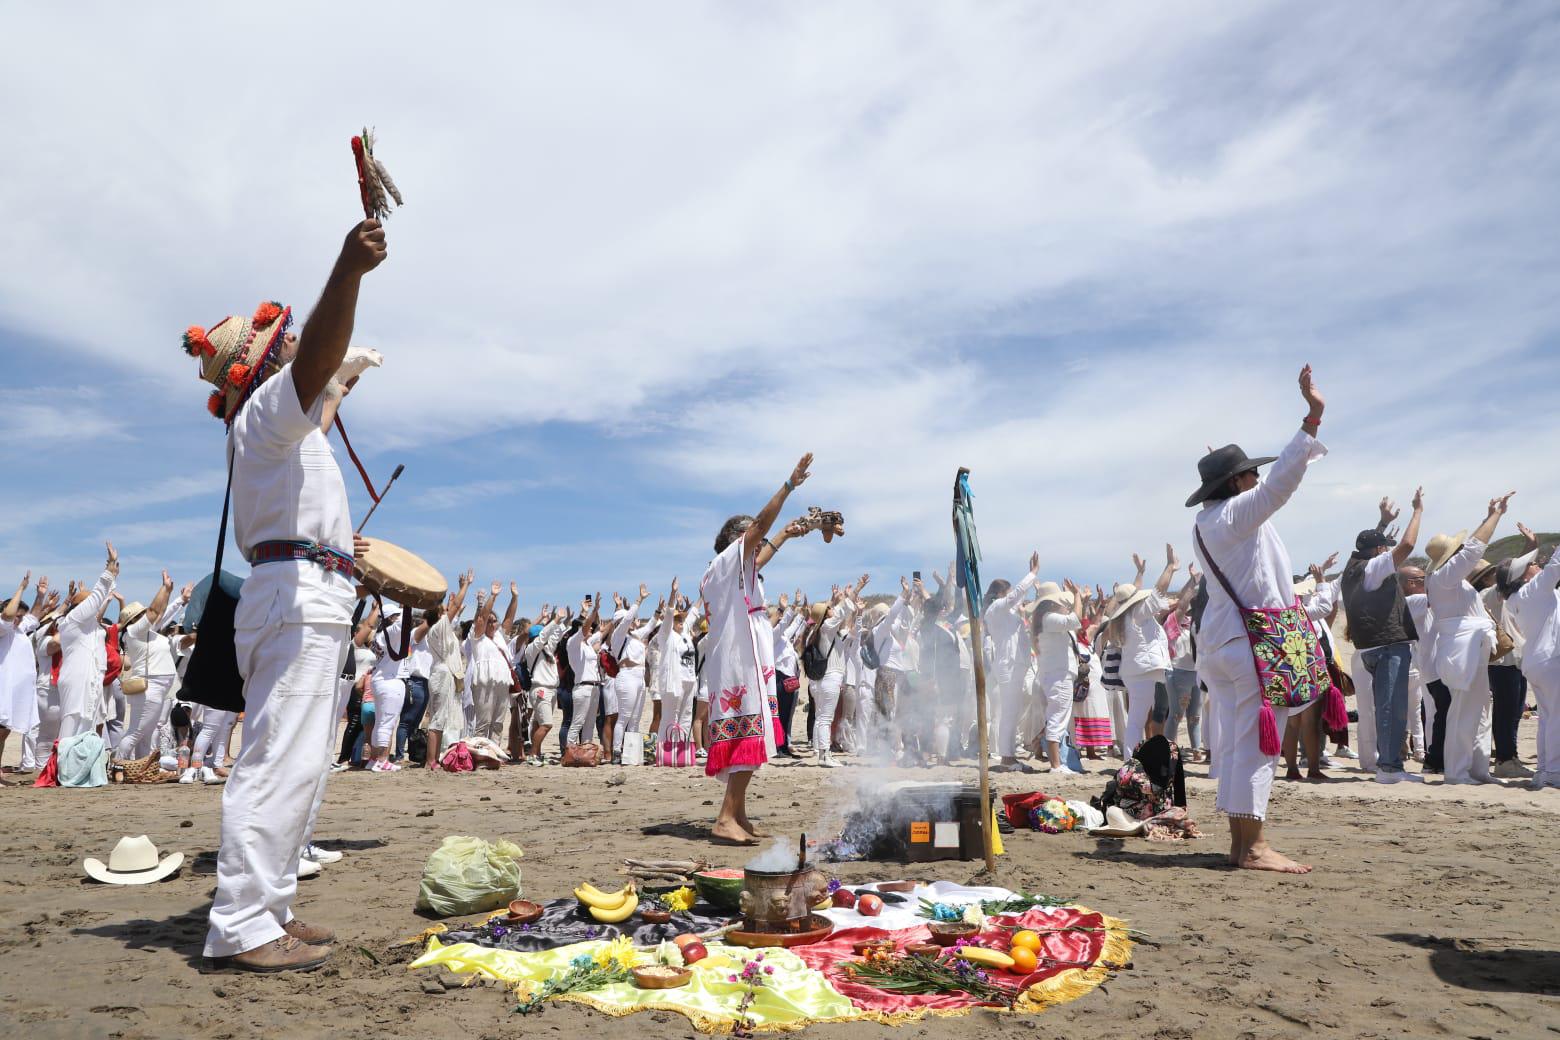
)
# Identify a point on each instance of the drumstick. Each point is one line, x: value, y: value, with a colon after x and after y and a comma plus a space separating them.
x: 380, y: 499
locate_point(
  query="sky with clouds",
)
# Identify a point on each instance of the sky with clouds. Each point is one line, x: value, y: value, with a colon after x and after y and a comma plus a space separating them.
x: 653, y: 253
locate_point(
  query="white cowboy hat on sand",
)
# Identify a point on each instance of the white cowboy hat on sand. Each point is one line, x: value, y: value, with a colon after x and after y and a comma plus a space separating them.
x: 1443, y: 547
x: 1123, y: 599
x: 1117, y: 825
x: 133, y: 862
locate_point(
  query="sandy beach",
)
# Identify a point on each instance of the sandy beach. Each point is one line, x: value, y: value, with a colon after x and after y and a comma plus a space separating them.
x: 1431, y: 911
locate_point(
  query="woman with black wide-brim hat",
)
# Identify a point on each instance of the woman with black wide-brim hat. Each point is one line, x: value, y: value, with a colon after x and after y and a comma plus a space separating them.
x: 1249, y: 573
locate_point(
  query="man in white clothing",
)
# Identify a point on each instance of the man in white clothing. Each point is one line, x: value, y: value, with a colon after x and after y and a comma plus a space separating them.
x: 1004, y: 625
x: 80, y: 637
x: 1535, y: 602
x: 291, y: 520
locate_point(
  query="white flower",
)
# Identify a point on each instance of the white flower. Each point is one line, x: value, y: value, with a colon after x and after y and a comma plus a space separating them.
x: 974, y: 915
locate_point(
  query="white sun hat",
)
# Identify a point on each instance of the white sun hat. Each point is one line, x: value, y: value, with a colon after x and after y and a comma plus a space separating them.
x: 133, y: 862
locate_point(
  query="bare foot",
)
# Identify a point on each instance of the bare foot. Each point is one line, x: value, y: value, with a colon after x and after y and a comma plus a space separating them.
x: 1292, y: 774
x: 732, y: 832
x: 1265, y: 857
x: 1316, y: 776
x: 750, y: 827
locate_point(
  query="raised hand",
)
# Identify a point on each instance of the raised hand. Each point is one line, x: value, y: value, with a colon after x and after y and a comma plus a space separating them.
x: 468, y: 579
x: 364, y: 248
x: 644, y: 592
x: 1171, y: 559
x: 113, y: 560
x: 1499, y: 505
x: 797, y: 528
x: 188, y: 591
x: 514, y: 590
x: 167, y: 582
x: 1311, y: 393
x: 1140, y: 563
x: 1389, y: 510
x: 1419, y: 500
x: 1527, y: 536
x: 802, y: 471
x: 1193, y: 573
x: 1034, y: 562
x: 494, y: 590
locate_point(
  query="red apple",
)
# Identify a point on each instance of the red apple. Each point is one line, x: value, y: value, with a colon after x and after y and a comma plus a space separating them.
x: 694, y: 952
x: 844, y: 897
x: 869, y: 905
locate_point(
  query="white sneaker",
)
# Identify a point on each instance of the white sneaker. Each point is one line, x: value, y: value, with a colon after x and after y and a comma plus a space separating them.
x: 313, y: 852
x: 340, y: 767
x: 1511, y: 769
x: 209, y: 776
x: 188, y: 776
x: 1345, y: 753
x: 307, y: 868
x: 1386, y: 776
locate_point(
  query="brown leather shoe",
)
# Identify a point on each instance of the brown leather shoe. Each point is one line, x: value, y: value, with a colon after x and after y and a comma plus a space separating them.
x: 283, y: 954
x: 309, y: 933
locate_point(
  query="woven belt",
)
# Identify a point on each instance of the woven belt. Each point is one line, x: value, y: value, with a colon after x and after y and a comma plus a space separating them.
x: 276, y: 552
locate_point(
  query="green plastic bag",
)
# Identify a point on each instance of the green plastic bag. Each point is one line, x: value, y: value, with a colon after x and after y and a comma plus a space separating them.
x: 468, y: 875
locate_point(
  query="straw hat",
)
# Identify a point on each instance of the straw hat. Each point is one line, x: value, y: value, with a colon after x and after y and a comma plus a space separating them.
x: 1123, y: 599
x: 1306, y: 587
x: 133, y: 862
x: 1117, y: 825
x: 1443, y: 547
x: 234, y: 352
x: 132, y: 612
x: 1050, y: 592
x: 1481, y: 570
x: 819, y: 611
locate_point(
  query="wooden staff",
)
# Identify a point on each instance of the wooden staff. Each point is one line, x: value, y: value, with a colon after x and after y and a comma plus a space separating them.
x: 978, y: 655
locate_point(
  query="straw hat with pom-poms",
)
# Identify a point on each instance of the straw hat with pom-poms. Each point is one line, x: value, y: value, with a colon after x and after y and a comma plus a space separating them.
x: 233, y: 354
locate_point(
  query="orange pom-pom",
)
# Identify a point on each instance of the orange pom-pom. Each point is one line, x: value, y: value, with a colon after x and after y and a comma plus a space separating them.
x: 196, y: 343
x: 238, y: 375
x: 266, y: 313
x: 214, y: 404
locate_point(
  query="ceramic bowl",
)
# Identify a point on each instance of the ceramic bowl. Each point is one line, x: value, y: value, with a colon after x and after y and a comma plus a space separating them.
x: 660, y: 976
x: 523, y: 911
x: 946, y: 933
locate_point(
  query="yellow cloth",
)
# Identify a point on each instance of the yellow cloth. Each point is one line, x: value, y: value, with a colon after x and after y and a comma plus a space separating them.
x: 793, y: 996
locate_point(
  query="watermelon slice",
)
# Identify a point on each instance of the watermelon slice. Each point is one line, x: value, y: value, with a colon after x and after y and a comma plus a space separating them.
x: 720, y: 887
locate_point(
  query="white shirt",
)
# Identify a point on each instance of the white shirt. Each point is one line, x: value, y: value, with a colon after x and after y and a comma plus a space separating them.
x: 145, y: 651
x: 785, y: 642
x: 287, y: 487
x: 1241, y: 538
x: 1056, y: 648
x: 1144, y: 646
x: 386, y: 667
x: 888, y: 635
x: 1536, y: 606
x: 1005, y: 627
x: 1378, y: 569
x: 1464, y: 632
x: 1424, y: 624
x: 582, y: 657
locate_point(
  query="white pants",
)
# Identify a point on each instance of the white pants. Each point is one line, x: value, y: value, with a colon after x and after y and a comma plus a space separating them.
x: 583, y: 722
x: 1546, y: 691
x: 1466, y: 753
x: 677, y: 709
x: 630, y: 684
x: 1365, y: 704
x: 490, y: 702
x: 826, y: 699
x: 115, y: 714
x: 146, y: 712
x: 1010, y: 705
x: 38, y: 740
x: 212, y: 740
x: 290, y: 702
x: 1140, y: 704
x: 343, y: 695
x: 389, y: 696
x: 1118, y: 718
x: 1058, y: 707
x: 1418, y: 697
x: 1211, y: 733
x: 1245, y: 773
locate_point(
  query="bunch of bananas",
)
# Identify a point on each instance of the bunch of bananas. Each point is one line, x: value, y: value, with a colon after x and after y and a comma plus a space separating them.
x: 608, y: 907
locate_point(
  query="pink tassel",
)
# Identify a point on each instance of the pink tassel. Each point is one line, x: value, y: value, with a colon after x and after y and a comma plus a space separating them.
x: 1335, y: 714
x: 1267, y: 730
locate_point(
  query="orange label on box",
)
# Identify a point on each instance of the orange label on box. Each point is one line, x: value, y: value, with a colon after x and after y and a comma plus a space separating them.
x: 921, y: 832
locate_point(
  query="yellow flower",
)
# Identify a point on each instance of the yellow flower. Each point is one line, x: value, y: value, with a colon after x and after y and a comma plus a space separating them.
x: 619, y: 952
x: 680, y: 900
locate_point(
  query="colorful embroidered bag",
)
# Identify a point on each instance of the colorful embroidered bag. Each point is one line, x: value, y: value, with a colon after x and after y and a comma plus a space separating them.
x: 1290, y: 667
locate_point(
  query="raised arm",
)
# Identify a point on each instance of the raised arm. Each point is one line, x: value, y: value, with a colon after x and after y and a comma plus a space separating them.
x: 1249, y: 510
x: 1172, y: 564
x: 14, y: 607
x: 1486, y: 530
x: 1405, y: 547
x: 509, y: 612
x: 159, y: 602
x: 757, y: 537
x: 322, y: 345
x: 457, y: 602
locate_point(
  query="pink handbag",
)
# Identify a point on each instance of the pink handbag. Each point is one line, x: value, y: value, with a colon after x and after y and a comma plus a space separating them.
x: 677, y: 749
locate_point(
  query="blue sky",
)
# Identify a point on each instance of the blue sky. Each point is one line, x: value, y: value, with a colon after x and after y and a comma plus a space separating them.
x: 651, y: 254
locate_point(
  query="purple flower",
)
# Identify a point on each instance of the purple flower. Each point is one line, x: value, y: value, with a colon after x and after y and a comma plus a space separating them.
x: 731, y: 978
x: 769, y: 969
x: 499, y: 931
x: 834, y: 885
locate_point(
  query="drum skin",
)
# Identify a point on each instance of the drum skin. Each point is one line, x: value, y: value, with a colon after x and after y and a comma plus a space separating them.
x: 400, y: 575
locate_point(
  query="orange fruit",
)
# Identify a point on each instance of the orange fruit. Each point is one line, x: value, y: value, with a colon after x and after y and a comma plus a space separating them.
x: 1026, y: 940
x: 1024, y: 960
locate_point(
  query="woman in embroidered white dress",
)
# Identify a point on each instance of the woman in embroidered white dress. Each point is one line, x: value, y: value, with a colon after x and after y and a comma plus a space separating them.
x: 739, y: 663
